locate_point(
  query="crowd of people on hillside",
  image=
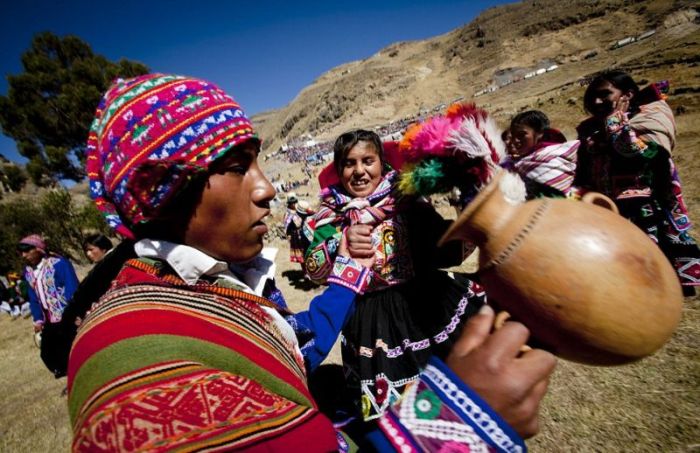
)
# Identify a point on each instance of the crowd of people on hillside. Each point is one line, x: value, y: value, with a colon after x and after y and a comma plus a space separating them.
x: 300, y: 152
x: 317, y: 153
x: 183, y: 319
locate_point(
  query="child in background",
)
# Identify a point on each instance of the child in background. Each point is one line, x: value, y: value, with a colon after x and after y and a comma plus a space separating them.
x: 541, y: 155
x: 410, y: 309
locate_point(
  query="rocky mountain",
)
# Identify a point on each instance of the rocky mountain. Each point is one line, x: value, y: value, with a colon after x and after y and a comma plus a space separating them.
x: 493, y: 55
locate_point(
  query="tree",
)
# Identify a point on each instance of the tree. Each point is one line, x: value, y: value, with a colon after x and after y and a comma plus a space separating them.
x: 49, y: 106
x: 13, y: 177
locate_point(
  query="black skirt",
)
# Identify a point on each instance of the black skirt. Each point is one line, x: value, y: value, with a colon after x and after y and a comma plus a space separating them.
x: 394, y: 331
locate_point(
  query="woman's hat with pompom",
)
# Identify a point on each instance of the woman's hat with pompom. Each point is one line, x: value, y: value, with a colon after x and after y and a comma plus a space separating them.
x: 151, y: 136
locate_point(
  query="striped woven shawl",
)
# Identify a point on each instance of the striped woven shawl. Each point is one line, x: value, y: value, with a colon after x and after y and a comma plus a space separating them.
x: 553, y: 165
x: 159, y: 367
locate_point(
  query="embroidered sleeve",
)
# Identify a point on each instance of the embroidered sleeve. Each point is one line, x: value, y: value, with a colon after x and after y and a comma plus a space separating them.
x: 318, y: 328
x: 349, y: 273
x: 623, y: 138
x: 34, y: 304
x: 440, y: 413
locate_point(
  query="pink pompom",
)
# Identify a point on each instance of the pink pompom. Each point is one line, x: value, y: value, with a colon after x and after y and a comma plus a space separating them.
x: 432, y: 139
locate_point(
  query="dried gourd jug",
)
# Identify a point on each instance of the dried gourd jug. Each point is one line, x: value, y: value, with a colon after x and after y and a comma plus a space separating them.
x: 590, y: 285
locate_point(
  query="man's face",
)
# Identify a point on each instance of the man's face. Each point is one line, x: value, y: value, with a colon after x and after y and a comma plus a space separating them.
x: 227, y: 221
x: 31, y: 255
x: 361, y: 170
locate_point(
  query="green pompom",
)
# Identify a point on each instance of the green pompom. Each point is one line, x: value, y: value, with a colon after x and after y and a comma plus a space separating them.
x: 429, y: 177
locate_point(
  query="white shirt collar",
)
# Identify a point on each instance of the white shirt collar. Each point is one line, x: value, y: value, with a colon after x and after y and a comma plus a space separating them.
x: 191, y: 264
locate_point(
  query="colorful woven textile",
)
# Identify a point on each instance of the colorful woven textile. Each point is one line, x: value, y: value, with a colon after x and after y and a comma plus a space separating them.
x: 338, y: 211
x: 336, y: 204
x: 156, y: 367
x: 151, y: 135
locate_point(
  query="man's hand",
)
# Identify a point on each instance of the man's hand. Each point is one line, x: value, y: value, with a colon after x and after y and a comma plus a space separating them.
x: 512, y: 382
x: 360, y: 241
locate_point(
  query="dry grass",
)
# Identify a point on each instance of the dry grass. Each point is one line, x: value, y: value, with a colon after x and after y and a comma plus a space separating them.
x: 34, y: 415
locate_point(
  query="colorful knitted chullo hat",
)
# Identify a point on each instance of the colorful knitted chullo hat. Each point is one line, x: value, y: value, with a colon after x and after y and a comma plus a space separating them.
x: 151, y: 135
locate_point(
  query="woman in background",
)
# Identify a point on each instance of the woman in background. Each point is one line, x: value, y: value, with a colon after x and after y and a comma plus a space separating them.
x: 96, y: 246
x: 625, y: 153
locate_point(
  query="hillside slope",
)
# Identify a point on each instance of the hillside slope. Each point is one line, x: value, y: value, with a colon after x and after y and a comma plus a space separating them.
x: 503, y: 42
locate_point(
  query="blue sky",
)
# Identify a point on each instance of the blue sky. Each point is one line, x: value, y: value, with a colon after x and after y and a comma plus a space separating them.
x: 263, y: 53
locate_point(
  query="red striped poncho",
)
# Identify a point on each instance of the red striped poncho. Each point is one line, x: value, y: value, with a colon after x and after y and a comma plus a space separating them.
x: 159, y: 365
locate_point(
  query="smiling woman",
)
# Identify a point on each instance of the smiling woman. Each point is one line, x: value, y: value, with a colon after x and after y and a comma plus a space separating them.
x: 359, y: 162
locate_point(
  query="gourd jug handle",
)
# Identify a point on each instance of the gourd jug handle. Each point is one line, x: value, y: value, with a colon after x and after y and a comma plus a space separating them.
x: 601, y: 200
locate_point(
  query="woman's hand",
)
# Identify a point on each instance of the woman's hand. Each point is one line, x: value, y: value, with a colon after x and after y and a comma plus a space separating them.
x: 360, y: 241
x: 622, y: 104
x: 367, y: 262
x: 512, y: 382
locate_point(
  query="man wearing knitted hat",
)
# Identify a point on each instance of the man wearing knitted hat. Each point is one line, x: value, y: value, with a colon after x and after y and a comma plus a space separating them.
x: 193, y: 347
x: 51, y: 280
